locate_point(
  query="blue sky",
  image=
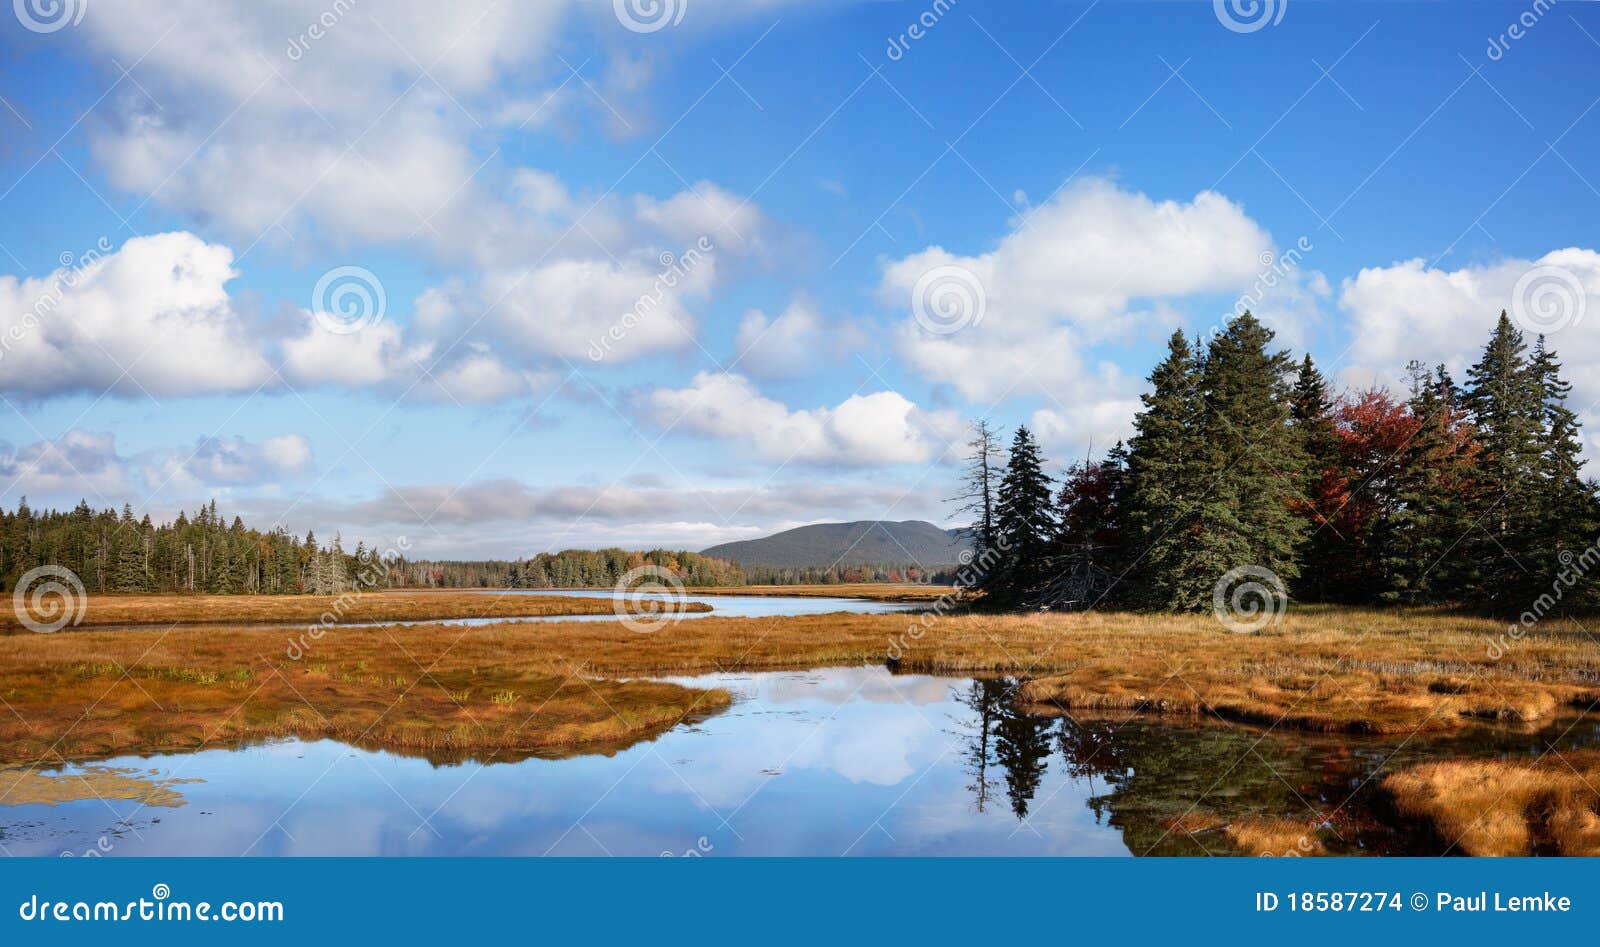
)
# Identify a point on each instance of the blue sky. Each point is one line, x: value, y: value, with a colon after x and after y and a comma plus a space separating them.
x: 1377, y: 180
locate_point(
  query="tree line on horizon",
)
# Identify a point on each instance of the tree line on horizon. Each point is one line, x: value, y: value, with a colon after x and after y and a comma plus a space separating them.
x: 1467, y: 495
x: 112, y: 552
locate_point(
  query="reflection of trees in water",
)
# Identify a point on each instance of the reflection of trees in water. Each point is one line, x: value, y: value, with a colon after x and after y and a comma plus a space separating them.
x: 1148, y: 772
x: 979, y: 732
x: 1000, y: 737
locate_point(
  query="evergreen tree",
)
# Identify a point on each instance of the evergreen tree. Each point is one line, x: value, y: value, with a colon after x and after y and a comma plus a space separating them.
x: 1432, y: 510
x: 1311, y: 414
x: 1506, y: 398
x: 1163, y: 480
x: 1256, y: 461
x: 1024, y: 527
x: 129, y: 544
x: 1567, y: 515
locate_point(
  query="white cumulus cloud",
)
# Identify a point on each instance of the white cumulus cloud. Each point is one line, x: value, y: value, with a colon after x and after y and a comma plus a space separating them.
x: 153, y: 316
x: 882, y: 428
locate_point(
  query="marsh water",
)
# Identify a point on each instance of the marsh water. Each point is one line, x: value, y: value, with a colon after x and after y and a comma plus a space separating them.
x: 722, y: 606
x: 841, y: 761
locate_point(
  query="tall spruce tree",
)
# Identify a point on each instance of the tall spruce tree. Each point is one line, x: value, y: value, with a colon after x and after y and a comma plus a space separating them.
x: 1506, y: 398
x: 1255, y: 459
x: 1024, y: 527
x: 1311, y: 414
x: 1162, y: 481
x: 1567, y: 514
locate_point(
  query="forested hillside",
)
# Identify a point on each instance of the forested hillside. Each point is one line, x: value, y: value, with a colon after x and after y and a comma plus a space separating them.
x: 824, y: 546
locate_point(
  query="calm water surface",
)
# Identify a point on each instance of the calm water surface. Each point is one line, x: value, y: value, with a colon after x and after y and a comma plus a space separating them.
x: 722, y: 606
x: 843, y: 761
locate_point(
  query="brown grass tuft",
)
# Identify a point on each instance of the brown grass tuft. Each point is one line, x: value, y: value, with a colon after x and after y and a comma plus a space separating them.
x: 1507, y: 807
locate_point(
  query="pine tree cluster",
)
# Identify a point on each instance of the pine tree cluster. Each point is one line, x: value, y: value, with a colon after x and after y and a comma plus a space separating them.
x: 112, y: 552
x: 1240, y: 458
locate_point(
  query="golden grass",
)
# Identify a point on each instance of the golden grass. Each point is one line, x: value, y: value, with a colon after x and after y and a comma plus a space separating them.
x: 24, y: 786
x: 440, y: 691
x: 1274, y: 837
x: 510, y: 687
x: 1251, y: 835
x: 351, y: 607
x: 1506, y: 807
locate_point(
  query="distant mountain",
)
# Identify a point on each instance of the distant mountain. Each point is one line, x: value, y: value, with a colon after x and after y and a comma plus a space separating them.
x: 859, y: 543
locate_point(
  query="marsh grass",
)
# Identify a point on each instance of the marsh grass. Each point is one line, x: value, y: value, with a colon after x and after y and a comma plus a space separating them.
x: 28, y: 785
x: 1506, y: 807
x: 558, y: 686
x: 351, y: 607
x: 1274, y: 837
